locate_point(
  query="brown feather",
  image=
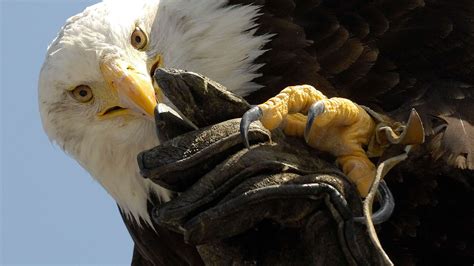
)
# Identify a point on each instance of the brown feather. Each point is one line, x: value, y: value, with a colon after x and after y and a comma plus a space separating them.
x: 392, y: 55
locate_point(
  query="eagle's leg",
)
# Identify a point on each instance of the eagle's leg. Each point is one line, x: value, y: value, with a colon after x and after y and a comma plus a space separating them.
x: 359, y: 169
x: 335, y: 125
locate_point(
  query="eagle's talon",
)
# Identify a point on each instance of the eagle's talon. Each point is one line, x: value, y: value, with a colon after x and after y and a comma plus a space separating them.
x: 315, y: 110
x: 254, y: 114
x: 387, y: 205
x: 343, y: 128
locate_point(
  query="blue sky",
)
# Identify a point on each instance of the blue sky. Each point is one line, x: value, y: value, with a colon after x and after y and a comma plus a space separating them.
x: 52, y: 211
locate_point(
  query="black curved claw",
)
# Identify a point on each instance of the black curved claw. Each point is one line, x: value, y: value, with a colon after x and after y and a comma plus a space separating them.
x: 314, y: 111
x: 254, y: 114
x: 387, y: 205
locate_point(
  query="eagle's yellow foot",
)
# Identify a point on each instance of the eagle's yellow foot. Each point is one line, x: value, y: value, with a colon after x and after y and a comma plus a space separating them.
x: 335, y: 125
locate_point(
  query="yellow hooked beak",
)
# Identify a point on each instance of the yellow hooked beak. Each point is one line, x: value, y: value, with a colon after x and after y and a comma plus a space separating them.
x: 132, y: 90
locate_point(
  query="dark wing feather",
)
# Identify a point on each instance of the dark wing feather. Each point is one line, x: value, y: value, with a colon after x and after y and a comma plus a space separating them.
x: 386, y: 54
x: 393, y: 55
x: 159, y: 246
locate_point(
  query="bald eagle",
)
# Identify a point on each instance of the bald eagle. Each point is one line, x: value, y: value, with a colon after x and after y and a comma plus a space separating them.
x: 97, y: 97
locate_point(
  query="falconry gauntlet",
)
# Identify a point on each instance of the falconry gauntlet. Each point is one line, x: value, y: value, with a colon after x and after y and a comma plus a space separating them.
x: 280, y: 202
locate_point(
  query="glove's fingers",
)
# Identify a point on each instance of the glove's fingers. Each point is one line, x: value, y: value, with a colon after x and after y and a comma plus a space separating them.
x: 169, y: 124
x: 178, y: 163
x: 282, y: 203
x: 198, y: 98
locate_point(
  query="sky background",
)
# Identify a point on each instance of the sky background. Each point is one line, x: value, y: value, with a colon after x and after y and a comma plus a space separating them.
x: 52, y: 211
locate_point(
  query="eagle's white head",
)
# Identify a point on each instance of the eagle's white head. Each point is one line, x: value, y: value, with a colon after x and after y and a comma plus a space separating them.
x: 96, y: 95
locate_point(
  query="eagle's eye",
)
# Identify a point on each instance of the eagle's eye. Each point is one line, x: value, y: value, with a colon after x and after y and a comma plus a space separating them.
x: 82, y: 93
x: 139, y: 40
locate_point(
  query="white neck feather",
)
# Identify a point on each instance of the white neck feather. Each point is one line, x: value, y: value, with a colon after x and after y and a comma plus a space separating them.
x: 204, y: 36
x: 210, y: 38
x: 112, y: 160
